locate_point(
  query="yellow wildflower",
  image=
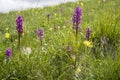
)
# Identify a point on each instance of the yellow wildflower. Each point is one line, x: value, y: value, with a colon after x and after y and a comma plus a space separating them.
x: 7, y: 29
x: 78, y: 3
x: 58, y: 27
x: 88, y: 43
x: 78, y: 70
x: 98, y: 1
x: 55, y: 14
x: 51, y: 29
x: 7, y: 35
x: 81, y: 4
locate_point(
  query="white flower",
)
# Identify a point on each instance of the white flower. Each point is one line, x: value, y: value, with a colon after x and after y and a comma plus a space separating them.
x: 27, y: 50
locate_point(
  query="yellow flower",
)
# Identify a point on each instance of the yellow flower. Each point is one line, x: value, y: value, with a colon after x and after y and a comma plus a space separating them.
x: 58, y: 27
x: 81, y: 4
x: 51, y: 29
x: 7, y: 35
x: 78, y: 70
x: 55, y: 14
x: 98, y: 1
x: 88, y: 43
x: 7, y: 29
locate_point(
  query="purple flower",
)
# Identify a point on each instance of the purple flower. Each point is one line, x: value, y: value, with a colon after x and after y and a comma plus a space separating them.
x: 68, y: 48
x: 40, y: 33
x: 19, y: 24
x: 88, y: 33
x: 55, y: 27
x: 19, y: 27
x: 8, y: 53
x: 48, y: 16
x: 77, y: 17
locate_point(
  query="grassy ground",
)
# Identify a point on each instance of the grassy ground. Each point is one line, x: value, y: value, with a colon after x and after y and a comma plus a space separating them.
x: 52, y: 61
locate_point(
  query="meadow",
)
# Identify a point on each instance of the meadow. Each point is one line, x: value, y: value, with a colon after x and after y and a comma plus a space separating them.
x: 60, y: 52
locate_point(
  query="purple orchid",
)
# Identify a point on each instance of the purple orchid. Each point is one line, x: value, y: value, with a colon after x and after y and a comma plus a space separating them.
x: 19, y: 27
x: 55, y: 27
x: 40, y: 33
x: 77, y: 17
x: 8, y: 53
x: 19, y: 24
x: 68, y: 48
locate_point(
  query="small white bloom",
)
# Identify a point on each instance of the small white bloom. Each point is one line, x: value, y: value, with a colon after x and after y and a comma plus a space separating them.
x: 27, y: 50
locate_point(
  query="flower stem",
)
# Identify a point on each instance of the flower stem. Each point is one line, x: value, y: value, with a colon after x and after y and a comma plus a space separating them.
x: 76, y: 35
x: 41, y: 43
x: 18, y: 40
x: 76, y: 48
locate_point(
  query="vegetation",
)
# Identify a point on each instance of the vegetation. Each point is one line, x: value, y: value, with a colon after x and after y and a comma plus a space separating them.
x: 59, y: 56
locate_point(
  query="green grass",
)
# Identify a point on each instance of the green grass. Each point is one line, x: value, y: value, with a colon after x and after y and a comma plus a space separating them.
x: 51, y: 61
